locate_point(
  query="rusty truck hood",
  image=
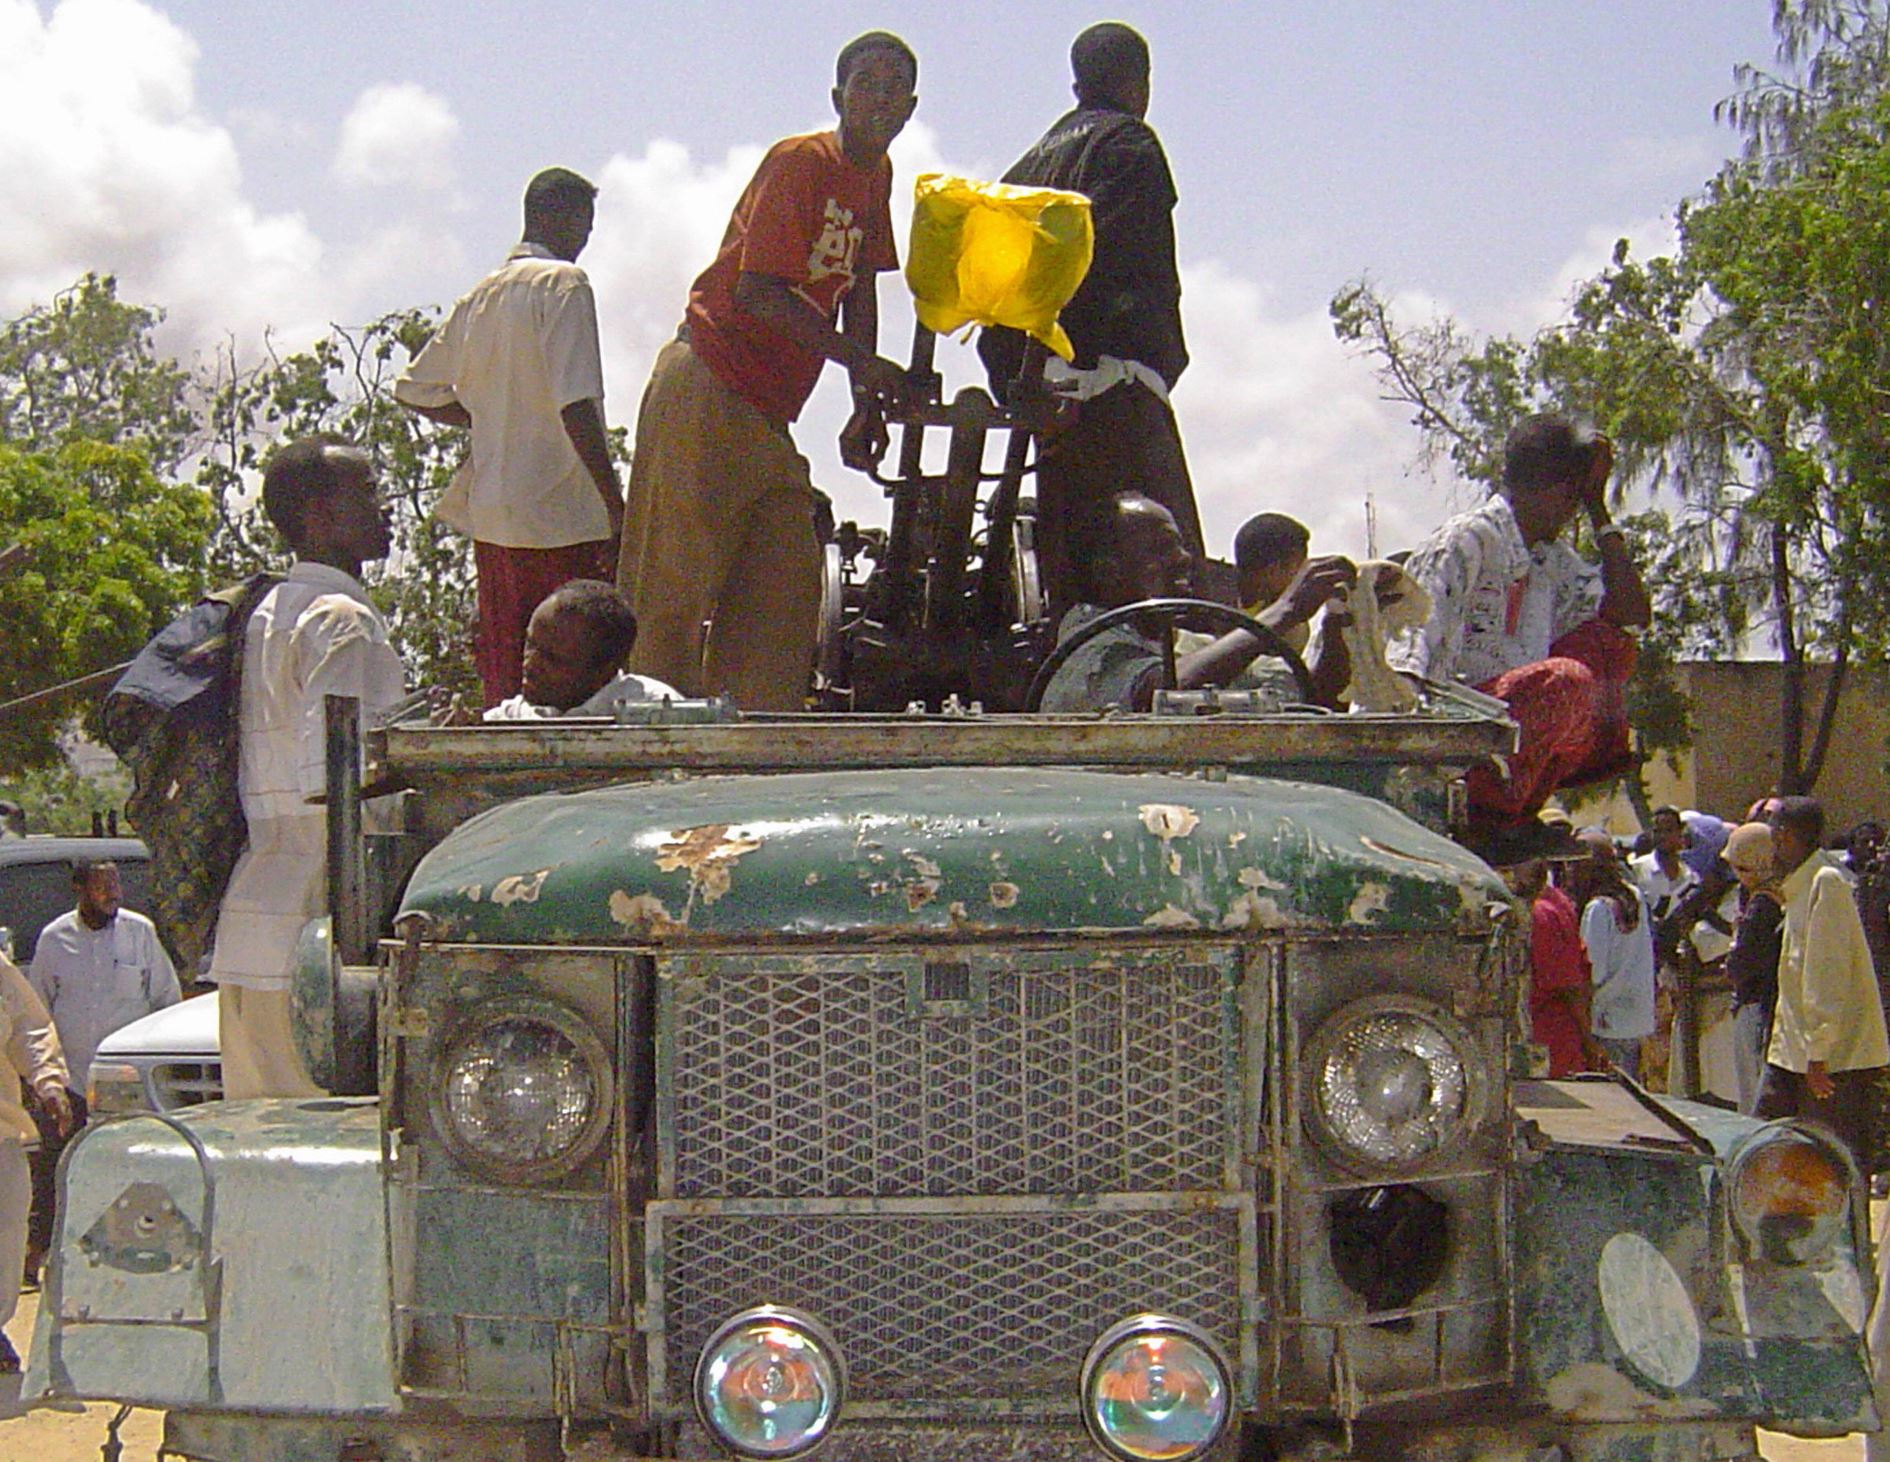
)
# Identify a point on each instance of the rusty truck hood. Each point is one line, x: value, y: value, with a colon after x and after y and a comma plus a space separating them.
x: 942, y: 851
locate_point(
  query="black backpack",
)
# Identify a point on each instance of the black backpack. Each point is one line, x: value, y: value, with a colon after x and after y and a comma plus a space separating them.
x: 173, y: 718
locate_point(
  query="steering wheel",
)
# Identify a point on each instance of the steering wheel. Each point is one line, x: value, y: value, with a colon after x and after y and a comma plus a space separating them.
x: 1169, y: 611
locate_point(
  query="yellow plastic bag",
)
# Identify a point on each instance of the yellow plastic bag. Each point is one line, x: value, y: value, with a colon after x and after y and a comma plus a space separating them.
x: 993, y: 254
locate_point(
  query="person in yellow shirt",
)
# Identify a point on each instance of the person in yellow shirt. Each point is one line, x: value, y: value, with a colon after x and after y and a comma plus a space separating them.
x: 1828, y: 1038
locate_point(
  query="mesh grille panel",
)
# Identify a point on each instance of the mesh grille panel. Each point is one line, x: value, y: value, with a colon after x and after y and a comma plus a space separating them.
x: 952, y: 1307
x: 827, y: 1083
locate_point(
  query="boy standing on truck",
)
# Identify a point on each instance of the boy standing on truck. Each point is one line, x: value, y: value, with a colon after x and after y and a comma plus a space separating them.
x: 314, y: 635
x: 719, y: 527
x: 1124, y: 319
x: 518, y: 363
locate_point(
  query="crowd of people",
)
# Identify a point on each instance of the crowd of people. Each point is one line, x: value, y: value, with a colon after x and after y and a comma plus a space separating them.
x: 1745, y: 962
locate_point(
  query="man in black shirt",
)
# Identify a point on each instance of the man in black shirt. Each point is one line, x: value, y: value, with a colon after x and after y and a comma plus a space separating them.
x: 1125, y: 319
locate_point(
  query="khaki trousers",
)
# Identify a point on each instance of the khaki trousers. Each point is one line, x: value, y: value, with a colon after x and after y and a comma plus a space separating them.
x: 16, y: 1199
x: 259, y: 1055
x: 719, y: 529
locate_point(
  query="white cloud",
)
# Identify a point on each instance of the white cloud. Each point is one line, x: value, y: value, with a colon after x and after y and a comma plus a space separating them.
x: 108, y: 164
x: 1278, y: 416
x: 397, y: 134
x: 1647, y: 238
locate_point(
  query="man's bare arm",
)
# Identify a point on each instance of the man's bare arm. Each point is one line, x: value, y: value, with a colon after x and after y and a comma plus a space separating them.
x: 772, y: 300
x: 1226, y: 657
x: 1624, y: 600
x: 584, y: 425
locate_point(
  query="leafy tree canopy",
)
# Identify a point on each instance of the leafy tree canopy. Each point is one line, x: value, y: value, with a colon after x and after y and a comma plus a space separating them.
x: 110, y: 552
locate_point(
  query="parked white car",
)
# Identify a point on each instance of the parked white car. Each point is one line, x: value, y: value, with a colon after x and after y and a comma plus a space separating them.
x: 168, y: 1059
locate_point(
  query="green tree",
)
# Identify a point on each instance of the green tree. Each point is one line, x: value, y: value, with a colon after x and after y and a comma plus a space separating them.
x: 85, y: 368
x: 1741, y: 378
x: 110, y: 552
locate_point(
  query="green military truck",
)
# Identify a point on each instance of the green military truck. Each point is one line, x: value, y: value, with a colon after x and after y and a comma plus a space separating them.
x: 946, y: 1086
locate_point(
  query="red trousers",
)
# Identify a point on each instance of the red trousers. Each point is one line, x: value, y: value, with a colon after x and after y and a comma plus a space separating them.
x: 1572, y: 715
x: 512, y: 583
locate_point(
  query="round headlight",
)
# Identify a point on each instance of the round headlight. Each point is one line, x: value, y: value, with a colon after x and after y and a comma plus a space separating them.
x: 1790, y: 1192
x: 1392, y: 1082
x: 770, y: 1383
x: 521, y: 1090
x: 1155, y: 1390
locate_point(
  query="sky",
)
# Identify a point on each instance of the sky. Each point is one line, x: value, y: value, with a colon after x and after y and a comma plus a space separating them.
x: 262, y: 169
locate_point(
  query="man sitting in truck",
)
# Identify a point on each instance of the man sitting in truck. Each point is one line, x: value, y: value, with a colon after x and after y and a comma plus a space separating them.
x: 1147, y: 558
x: 1519, y: 614
x: 575, y: 646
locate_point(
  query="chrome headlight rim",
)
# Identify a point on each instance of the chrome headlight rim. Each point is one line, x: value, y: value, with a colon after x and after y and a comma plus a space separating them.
x: 566, y: 1023
x: 1759, y: 1142
x: 1137, y: 1327
x: 825, y: 1347
x: 1323, y: 1045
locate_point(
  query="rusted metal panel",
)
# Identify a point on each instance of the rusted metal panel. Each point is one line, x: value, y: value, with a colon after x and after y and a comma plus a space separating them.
x: 1634, y: 1304
x: 263, y: 1239
x: 896, y: 854
x: 1461, y: 728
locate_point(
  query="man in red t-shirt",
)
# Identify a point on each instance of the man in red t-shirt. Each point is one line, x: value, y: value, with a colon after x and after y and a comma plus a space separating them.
x: 1558, y: 969
x: 719, y: 526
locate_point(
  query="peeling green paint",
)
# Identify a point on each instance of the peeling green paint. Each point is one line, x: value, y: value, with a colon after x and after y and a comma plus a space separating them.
x: 880, y: 855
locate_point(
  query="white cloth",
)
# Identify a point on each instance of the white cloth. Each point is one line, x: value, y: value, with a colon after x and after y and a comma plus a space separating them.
x: 1621, y: 1005
x: 1392, y: 602
x: 1496, y: 603
x: 515, y: 352
x: 1829, y: 1009
x: 627, y: 689
x: 95, y: 981
x: 29, y: 1052
x: 1749, y: 1038
x: 1078, y: 383
x: 314, y: 635
x: 1660, y: 892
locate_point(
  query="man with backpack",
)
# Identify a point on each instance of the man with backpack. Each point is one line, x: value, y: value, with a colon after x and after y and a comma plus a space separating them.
x: 98, y: 967
x: 313, y: 635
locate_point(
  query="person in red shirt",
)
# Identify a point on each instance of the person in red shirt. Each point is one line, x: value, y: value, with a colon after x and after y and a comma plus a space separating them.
x: 1558, y: 969
x: 719, y: 524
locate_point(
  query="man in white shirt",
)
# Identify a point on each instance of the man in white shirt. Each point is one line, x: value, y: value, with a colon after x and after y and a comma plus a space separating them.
x: 1620, y: 949
x: 30, y: 1059
x: 1520, y: 615
x: 517, y: 361
x: 1828, y: 1042
x: 97, y: 967
x: 314, y: 635
x: 574, y: 653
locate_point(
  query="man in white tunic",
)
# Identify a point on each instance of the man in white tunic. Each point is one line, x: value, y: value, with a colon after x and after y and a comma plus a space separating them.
x: 314, y: 635
x: 98, y: 967
x: 29, y: 1055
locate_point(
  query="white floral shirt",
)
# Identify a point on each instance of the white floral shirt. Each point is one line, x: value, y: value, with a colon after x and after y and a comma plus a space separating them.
x: 1496, y: 603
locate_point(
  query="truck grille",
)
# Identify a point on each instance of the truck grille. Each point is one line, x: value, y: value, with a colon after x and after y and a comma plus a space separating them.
x: 947, y: 1307
x: 982, y: 1074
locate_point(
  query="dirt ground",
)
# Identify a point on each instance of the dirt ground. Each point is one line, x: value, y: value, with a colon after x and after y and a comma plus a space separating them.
x: 56, y: 1436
